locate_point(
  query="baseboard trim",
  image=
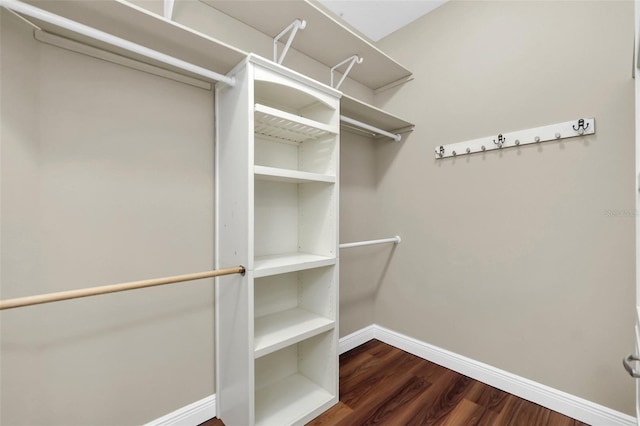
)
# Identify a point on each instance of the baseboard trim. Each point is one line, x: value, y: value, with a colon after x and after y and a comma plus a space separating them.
x: 356, y: 338
x: 556, y: 400
x: 192, y: 414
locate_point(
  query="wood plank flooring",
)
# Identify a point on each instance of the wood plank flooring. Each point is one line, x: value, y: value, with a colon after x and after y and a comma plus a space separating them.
x: 383, y: 385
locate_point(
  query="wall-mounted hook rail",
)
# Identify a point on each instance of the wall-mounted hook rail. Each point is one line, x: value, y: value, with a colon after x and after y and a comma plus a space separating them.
x: 395, y: 240
x: 553, y: 132
x: 352, y: 60
x: 395, y: 136
x: 298, y: 24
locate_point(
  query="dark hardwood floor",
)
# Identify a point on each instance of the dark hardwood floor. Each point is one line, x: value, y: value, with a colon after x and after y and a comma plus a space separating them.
x: 383, y: 385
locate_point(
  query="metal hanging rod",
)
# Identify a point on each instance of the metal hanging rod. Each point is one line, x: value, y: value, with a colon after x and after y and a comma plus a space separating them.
x: 568, y: 129
x: 298, y: 24
x: 36, y: 13
x: 395, y: 240
x: 395, y: 136
x: 113, y: 288
x: 355, y: 59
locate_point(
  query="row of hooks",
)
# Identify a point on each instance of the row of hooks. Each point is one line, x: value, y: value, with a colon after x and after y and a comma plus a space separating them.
x: 542, y: 134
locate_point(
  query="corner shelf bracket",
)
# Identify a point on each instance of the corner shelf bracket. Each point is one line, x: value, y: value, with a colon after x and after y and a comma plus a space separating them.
x: 352, y: 60
x: 292, y: 29
x: 552, y: 132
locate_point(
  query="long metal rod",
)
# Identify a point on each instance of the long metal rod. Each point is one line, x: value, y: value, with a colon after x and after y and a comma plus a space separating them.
x: 95, y: 34
x: 395, y: 136
x: 395, y: 240
x: 113, y: 288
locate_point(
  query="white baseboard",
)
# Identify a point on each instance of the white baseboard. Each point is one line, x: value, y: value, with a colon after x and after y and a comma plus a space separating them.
x: 556, y: 400
x: 189, y: 415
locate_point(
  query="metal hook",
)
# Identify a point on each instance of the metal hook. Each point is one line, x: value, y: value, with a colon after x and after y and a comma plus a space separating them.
x: 440, y: 152
x: 501, y: 140
x: 581, y: 127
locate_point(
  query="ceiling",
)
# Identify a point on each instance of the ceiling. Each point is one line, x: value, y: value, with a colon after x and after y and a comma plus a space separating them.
x: 378, y: 18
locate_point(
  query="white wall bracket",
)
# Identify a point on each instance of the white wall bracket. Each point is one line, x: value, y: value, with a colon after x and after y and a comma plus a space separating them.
x: 352, y: 60
x: 568, y: 129
x: 298, y: 24
x: 168, y: 9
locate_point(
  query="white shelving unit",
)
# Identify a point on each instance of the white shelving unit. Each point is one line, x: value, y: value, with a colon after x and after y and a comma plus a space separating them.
x: 278, y: 142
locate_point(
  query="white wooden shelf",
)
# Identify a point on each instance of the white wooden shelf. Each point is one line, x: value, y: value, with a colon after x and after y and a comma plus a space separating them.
x: 325, y: 38
x: 139, y: 26
x: 276, y: 331
x: 279, y: 124
x: 289, y: 400
x: 281, y: 264
x: 275, y: 174
x: 361, y: 111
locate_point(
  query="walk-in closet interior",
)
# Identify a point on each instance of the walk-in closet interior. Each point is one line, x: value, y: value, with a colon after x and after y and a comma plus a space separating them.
x: 276, y: 188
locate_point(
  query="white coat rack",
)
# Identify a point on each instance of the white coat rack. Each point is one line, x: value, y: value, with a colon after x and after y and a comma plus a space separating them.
x: 568, y: 129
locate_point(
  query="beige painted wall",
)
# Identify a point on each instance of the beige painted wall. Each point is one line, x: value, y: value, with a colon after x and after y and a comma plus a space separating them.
x: 107, y: 176
x: 522, y: 259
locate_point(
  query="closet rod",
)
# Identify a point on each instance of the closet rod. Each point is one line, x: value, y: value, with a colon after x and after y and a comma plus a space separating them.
x: 36, y: 13
x: 113, y: 288
x: 395, y: 240
x: 395, y: 136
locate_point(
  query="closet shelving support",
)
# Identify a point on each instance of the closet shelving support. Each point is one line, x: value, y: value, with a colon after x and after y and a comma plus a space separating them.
x: 325, y: 38
x: 132, y: 32
x: 276, y: 327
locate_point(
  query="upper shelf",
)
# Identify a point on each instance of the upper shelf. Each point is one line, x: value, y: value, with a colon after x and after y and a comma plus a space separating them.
x: 324, y: 38
x: 139, y: 26
x: 371, y: 115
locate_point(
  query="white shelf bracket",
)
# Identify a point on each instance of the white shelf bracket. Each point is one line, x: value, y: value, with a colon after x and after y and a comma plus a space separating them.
x: 352, y: 60
x: 168, y: 9
x: 395, y: 136
x: 298, y: 24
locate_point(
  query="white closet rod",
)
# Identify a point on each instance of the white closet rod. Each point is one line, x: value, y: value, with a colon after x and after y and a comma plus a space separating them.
x: 395, y: 240
x: 395, y: 136
x: 95, y: 34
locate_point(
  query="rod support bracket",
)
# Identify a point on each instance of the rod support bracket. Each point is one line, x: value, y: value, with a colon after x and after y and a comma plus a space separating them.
x: 352, y: 60
x: 298, y: 24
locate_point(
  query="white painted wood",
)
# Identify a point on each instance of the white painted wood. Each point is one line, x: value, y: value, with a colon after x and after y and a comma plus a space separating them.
x: 289, y: 262
x: 132, y: 23
x: 637, y: 191
x: 280, y: 201
x: 294, y: 400
x: 324, y: 38
x: 548, y: 133
x: 194, y: 414
x: 275, y: 331
x: 294, y: 217
x: 234, y: 210
x: 273, y: 174
x: 296, y: 384
x: 562, y: 402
